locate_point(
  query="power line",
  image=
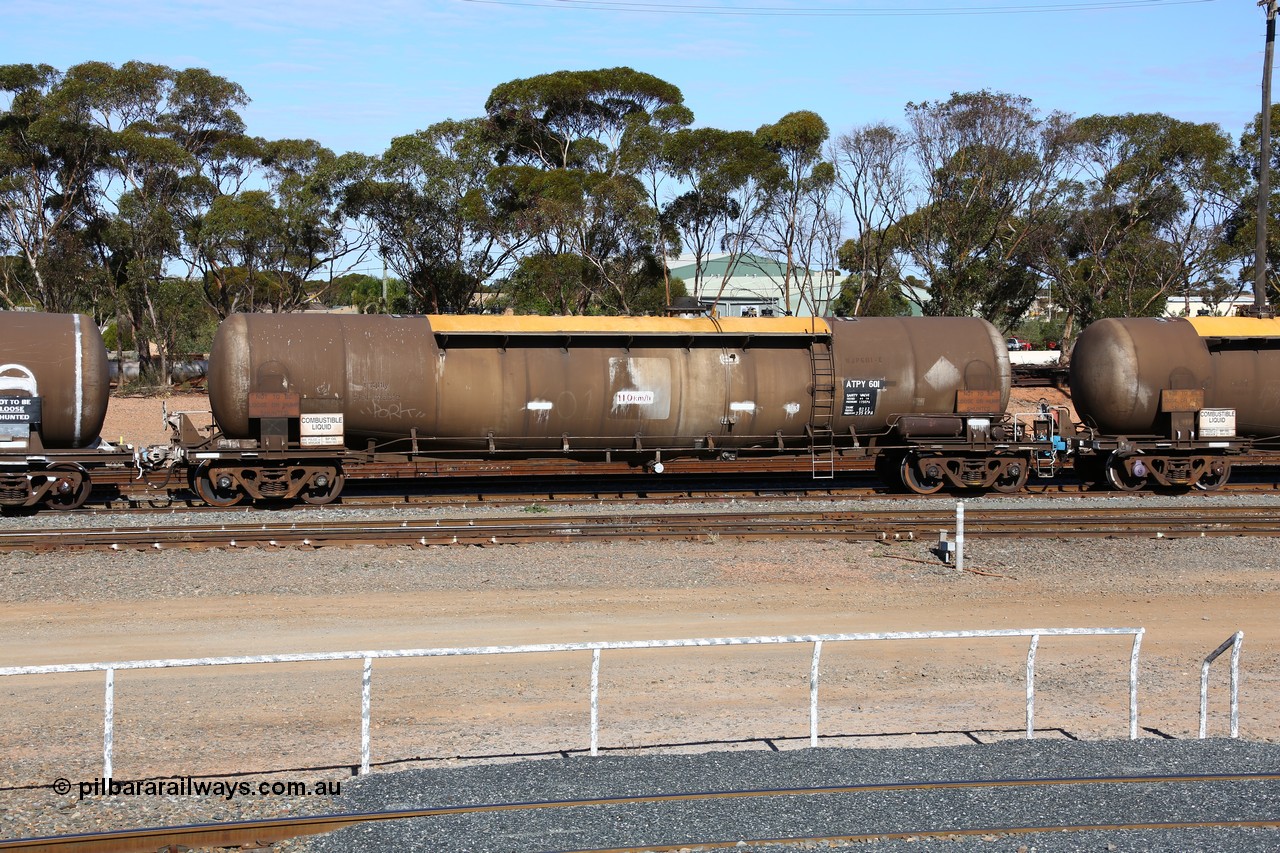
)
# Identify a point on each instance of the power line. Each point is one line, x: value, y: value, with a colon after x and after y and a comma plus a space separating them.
x: 837, y: 12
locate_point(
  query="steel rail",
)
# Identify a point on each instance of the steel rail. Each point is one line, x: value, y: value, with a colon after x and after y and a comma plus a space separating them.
x: 271, y: 830
x: 873, y: 525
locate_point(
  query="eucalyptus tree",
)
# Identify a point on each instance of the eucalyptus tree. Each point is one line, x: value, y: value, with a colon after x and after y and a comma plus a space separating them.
x: 49, y: 156
x: 143, y: 113
x: 988, y: 167
x: 644, y: 153
x: 796, y: 197
x: 261, y: 245
x: 571, y: 148
x: 722, y: 208
x: 1240, y: 239
x: 1148, y: 218
x: 428, y: 205
x: 314, y: 231
x: 872, y: 173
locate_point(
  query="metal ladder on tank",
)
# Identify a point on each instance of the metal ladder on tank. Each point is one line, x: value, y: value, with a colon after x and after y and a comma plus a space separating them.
x: 821, y: 436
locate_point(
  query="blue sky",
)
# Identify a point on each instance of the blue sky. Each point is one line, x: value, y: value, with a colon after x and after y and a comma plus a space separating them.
x: 353, y: 75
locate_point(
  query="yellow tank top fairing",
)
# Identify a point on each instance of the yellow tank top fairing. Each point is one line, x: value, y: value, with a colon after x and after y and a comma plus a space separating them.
x: 1235, y: 327
x: 483, y: 324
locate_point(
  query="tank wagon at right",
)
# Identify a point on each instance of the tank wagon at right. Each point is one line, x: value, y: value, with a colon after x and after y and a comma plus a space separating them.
x: 1173, y: 402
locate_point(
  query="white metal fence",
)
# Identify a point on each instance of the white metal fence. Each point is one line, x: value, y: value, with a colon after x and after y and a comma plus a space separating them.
x: 1233, y: 642
x: 108, y: 720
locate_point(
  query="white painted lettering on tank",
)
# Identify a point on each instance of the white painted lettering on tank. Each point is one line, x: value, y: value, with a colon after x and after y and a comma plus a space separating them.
x: 943, y: 374
x: 792, y: 409
x: 540, y: 408
x: 395, y: 411
x: 745, y: 406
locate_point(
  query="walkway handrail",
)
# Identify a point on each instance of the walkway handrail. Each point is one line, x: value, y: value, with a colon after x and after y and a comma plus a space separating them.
x: 367, y: 657
x: 1233, y: 642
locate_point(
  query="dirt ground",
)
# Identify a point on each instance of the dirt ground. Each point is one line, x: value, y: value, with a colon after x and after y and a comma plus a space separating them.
x: 140, y: 420
x: 1188, y: 594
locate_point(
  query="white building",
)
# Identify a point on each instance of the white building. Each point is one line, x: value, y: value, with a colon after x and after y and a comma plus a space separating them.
x: 754, y: 286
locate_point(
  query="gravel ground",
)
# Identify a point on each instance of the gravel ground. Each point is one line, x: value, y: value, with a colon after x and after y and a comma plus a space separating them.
x: 957, y: 809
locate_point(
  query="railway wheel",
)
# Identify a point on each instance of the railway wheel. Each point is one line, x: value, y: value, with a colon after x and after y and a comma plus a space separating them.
x: 71, y: 485
x: 1216, y: 477
x: 1124, y: 478
x: 323, y: 488
x: 923, y: 482
x: 214, y: 488
x: 1014, y: 478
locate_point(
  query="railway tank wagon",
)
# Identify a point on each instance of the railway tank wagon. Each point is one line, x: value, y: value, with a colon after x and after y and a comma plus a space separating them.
x: 1174, y: 401
x: 54, y: 386
x: 294, y: 396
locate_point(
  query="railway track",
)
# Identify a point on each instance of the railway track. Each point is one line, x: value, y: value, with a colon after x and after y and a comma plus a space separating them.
x: 259, y: 833
x: 876, y: 525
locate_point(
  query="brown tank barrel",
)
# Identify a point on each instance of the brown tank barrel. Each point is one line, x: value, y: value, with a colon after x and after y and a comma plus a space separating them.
x: 539, y: 383
x: 1245, y: 353
x: 524, y: 382
x: 369, y: 368
x: 894, y: 366
x: 61, y: 359
x: 1120, y: 367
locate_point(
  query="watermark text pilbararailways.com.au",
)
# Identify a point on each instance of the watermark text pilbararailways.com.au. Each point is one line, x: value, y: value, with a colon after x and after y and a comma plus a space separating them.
x: 227, y: 789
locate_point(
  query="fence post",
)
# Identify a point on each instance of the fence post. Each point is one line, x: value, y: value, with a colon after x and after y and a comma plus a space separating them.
x: 813, y: 693
x: 366, y: 689
x: 1031, y: 687
x: 1133, y: 684
x: 108, y: 726
x: 1233, y: 642
x: 595, y: 701
x: 1235, y: 684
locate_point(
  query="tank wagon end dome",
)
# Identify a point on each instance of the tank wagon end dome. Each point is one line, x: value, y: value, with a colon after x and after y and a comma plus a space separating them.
x: 922, y: 361
x: 1120, y: 366
x: 64, y: 358
x: 229, y: 371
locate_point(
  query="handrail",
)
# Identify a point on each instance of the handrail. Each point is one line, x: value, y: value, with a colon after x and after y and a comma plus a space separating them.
x: 1233, y: 642
x: 367, y: 657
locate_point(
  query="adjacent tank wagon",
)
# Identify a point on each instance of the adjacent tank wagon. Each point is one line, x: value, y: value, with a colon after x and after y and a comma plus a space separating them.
x: 54, y: 387
x: 1174, y: 401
